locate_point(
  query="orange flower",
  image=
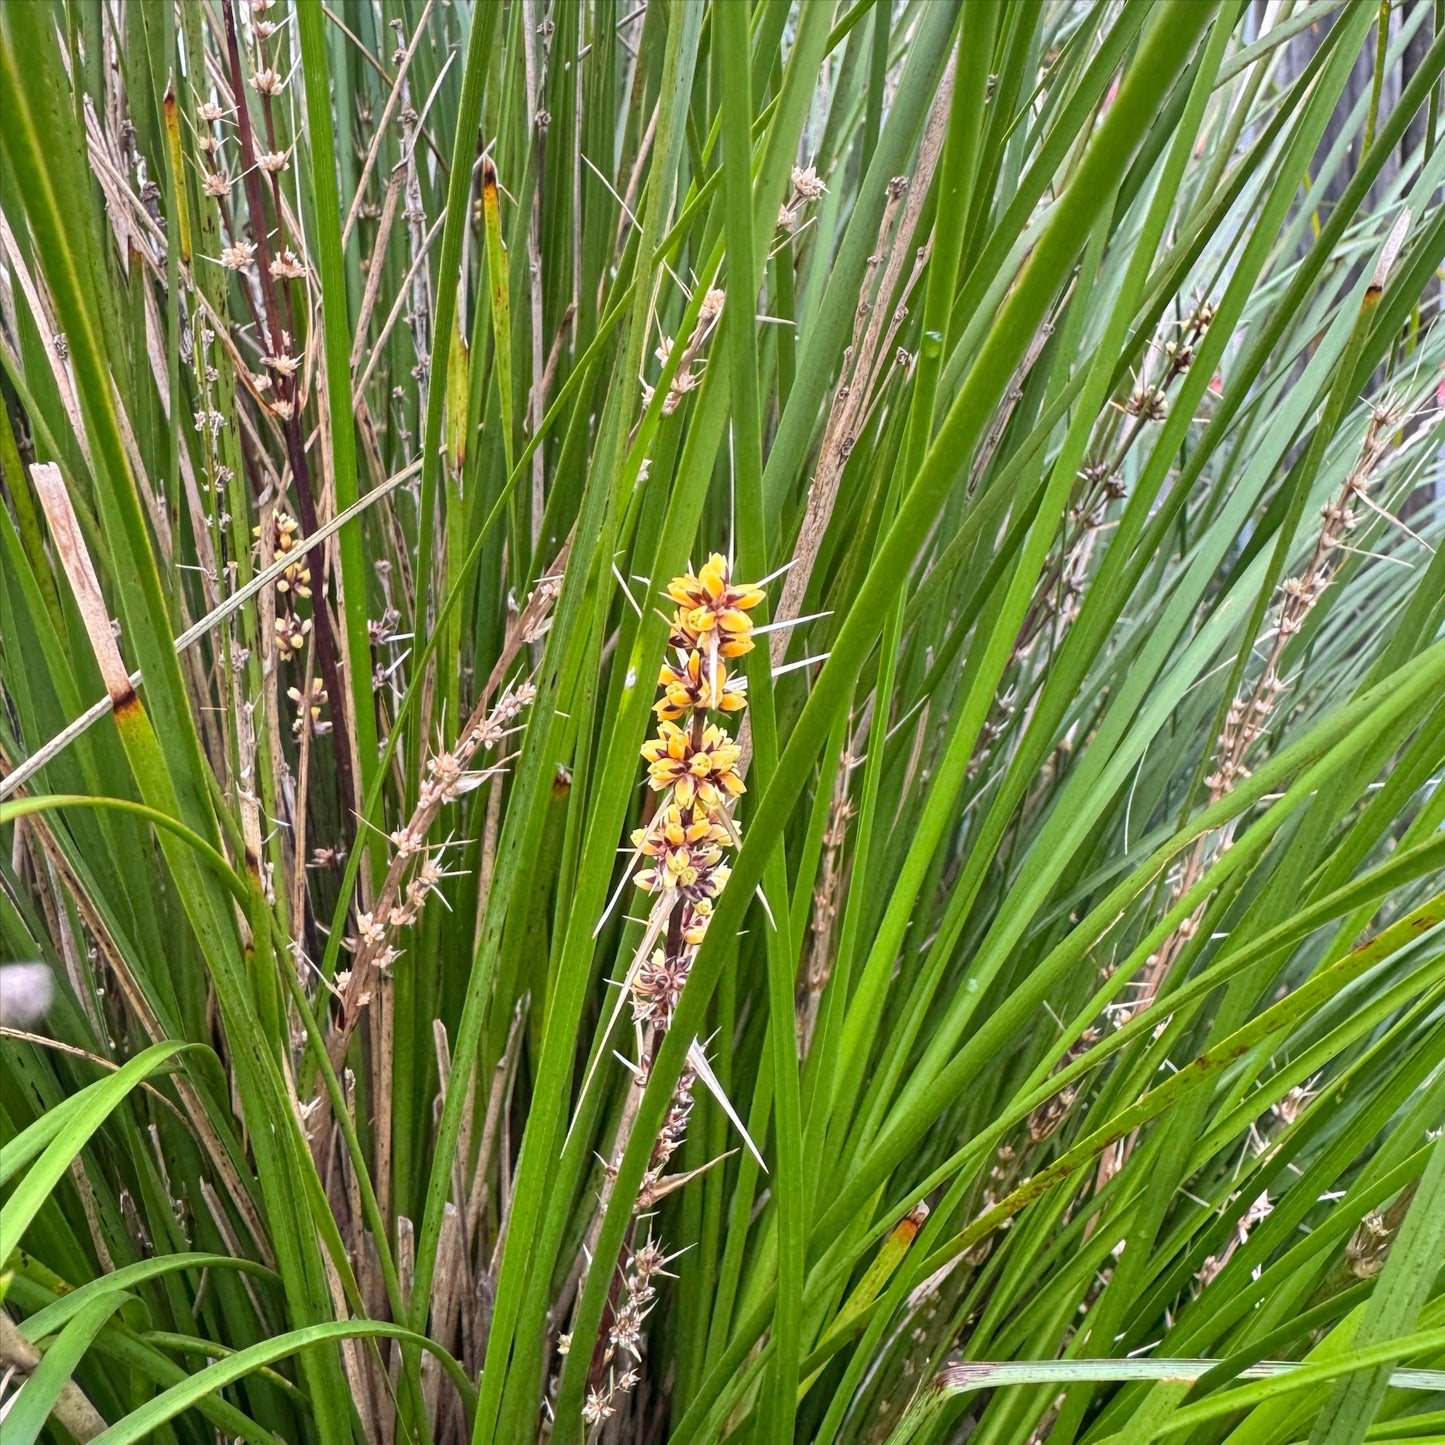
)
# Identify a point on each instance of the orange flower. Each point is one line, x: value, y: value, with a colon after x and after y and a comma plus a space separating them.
x: 688, y: 688
x: 695, y: 920
x: 674, y: 827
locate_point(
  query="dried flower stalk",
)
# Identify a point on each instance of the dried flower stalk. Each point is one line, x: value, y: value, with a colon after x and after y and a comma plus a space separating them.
x: 449, y: 775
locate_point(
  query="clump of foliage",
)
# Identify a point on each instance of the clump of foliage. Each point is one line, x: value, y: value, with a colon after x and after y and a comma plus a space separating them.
x: 1008, y: 1000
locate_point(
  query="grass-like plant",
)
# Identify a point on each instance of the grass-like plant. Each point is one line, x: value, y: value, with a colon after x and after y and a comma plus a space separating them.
x: 1007, y: 1000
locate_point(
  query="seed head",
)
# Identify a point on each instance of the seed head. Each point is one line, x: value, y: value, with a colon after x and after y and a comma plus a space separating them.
x: 237, y: 257
x: 285, y: 266
x: 806, y: 184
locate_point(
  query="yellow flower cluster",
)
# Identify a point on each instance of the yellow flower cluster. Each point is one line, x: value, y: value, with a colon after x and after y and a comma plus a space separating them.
x: 688, y: 848
x: 712, y: 613
x: 693, y: 763
x: 698, y: 769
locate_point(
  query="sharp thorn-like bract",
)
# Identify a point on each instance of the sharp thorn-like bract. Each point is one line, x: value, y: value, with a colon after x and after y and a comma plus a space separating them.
x: 697, y: 1062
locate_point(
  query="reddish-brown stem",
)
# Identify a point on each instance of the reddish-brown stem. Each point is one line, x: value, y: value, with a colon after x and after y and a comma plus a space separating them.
x: 288, y: 389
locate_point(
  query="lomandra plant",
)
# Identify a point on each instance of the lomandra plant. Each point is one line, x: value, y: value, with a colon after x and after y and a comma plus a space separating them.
x: 1006, y: 999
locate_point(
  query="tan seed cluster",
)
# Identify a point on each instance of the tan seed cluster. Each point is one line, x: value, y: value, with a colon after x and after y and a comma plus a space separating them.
x: 685, y: 379
x: 806, y: 189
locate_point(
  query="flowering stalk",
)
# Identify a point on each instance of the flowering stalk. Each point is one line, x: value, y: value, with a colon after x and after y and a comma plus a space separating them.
x: 685, y: 379
x: 1244, y: 725
x: 288, y: 396
x: 692, y: 762
x: 415, y: 867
